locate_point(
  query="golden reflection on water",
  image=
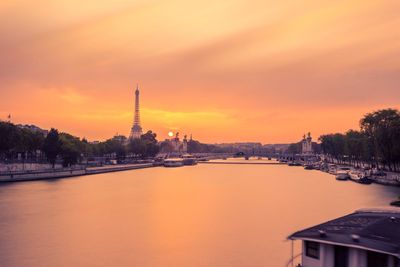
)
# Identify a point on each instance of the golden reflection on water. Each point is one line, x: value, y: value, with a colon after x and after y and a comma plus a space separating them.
x: 205, y: 215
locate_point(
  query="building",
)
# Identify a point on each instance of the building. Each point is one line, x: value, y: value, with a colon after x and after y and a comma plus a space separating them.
x: 33, y: 128
x: 136, y: 130
x: 179, y: 146
x: 365, y: 238
x: 306, y: 145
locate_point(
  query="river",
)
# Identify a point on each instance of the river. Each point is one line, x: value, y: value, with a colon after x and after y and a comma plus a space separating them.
x: 202, y: 216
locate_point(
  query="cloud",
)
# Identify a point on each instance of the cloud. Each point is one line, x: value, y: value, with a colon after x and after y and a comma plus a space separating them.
x: 202, y: 64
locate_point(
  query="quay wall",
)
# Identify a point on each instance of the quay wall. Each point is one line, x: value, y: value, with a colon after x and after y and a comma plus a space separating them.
x: 64, y: 173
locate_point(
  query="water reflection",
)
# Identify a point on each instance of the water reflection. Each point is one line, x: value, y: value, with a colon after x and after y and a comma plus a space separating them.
x: 207, y: 215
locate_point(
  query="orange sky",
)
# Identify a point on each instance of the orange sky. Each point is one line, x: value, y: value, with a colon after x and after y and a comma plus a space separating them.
x: 222, y: 70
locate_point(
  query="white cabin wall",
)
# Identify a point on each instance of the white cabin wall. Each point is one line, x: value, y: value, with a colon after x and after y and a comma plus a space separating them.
x: 310, y: 262
x: 327, y: 255
x: 357, y: 257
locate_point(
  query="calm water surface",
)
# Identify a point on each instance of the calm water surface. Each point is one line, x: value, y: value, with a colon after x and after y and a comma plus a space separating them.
x: 201, y: 216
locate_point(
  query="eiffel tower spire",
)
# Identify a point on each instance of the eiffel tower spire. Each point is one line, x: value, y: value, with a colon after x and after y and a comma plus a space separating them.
x: 136, y: 130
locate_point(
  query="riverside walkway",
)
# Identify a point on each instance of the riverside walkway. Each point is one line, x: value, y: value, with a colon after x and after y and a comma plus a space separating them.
x: 242, y: 163
x: 67, y: 172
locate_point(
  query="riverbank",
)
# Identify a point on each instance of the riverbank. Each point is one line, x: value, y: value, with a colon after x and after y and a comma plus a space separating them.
x: 241, y: 163
x: 67, y: 172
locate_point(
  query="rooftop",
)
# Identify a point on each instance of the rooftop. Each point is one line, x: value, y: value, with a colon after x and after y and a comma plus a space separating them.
x: 375, y: 230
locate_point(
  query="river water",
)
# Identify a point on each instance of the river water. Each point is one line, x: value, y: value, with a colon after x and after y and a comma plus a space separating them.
x: 202, y: 216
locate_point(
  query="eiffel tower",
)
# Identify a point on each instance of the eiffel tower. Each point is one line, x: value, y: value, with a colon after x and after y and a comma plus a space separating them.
x: 136, y: 130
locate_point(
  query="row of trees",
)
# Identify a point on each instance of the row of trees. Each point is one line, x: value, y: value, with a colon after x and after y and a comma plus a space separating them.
x: 17, y: 142
x: 376, y: 143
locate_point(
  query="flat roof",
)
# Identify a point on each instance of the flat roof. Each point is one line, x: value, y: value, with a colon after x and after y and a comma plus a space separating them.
x: 375, y: 230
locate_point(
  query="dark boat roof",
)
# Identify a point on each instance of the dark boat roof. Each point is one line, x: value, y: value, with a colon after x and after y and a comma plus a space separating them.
x: 375, y: 230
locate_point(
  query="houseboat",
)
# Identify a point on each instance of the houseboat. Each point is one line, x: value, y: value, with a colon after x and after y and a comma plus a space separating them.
x: 342, y: 175
x: 365, y: 238
x: 173, y: 162
x: 359, y: 176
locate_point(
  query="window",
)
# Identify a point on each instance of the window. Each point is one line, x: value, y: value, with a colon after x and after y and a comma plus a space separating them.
x: 312, y: 249
x: 341, y: 256
x: 375, y: 259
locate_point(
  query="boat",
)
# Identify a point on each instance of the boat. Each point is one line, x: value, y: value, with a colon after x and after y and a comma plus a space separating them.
x: 173, y: 162
x: 189, y: 161
x: 342, y: 175
x: 364, y: 180
x: 359, y: 177
x: 332, y: 169
x: 317, y: 166
x: 158, y: 162
x: 356, y: 175
x: 363, y: 238
x: 309, y: 167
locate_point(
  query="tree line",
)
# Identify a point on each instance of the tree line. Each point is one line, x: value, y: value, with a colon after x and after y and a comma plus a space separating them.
x: 376, y: 143
x: 17, y: 142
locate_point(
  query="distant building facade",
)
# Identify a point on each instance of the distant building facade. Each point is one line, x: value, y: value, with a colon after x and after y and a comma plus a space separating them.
x: 33, y: 128
x: 174, y: 145
x: 306, y: 145
x: 136, y: 130
x: 178, y: 145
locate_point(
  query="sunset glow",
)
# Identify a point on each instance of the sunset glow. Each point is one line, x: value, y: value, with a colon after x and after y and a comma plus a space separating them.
x: 223, y: 71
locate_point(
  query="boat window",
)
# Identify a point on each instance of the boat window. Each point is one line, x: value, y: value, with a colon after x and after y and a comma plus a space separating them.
x: 312, y: 249
x: 375, y: 259
x: 341, y: 256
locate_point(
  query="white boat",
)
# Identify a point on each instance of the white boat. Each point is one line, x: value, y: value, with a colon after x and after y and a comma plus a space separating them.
x: 356, y: 175
x: 342, y: 175
x: 174, y: 162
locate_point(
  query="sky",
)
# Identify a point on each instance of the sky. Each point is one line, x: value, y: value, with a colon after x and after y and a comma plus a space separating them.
x: 224, y: 71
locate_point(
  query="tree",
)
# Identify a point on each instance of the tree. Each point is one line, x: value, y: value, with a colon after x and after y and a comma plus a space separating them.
x: 356, y: 146
x: 137, y: 147
x: 52, y: 146
x: 333, y: 145
x: 71, y: 149
x: 9, y: 137
x: 382, y: 128
x: 151, y: 144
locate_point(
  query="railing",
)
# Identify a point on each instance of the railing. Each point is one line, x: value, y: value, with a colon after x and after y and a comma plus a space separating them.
x: 14, y: 172
x: 290, y: 263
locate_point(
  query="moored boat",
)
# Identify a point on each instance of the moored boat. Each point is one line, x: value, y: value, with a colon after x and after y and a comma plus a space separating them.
x: 189, y: 161
x: 173, y: 162
x: 363, y: 238
x: 342, y: 175
x: 309, y: 167
x: 364, y: 180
